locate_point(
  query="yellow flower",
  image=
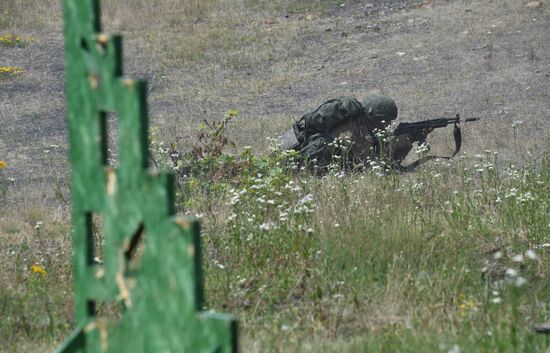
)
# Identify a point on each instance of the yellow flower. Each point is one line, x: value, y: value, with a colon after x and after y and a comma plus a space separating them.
x: 2, y: 164
x: 7, y: 39
x: 13, y: 40
x: 193, y: 182
x: 232, y: 112
x: 10, y: 70
x: 38, y: 269
x: 467, y: 305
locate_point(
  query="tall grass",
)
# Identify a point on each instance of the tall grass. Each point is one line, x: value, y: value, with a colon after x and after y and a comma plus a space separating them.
x: 453, y: 255
x: 450, y: 258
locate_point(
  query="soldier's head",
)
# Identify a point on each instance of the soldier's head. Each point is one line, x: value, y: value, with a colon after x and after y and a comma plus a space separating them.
x: 380, y: 110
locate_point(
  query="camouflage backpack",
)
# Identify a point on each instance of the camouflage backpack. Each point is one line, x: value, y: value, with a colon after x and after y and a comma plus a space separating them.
x: 328, y: 115
x: 313, y: 130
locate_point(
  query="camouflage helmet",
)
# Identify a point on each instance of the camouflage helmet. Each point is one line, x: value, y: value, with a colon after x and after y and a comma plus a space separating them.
x: 380, y: 108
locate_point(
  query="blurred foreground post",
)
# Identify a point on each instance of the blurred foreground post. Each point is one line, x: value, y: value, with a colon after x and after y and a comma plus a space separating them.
x: 129, y: 250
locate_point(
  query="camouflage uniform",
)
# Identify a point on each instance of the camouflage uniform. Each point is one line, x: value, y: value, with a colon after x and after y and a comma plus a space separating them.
x: 317, y: 134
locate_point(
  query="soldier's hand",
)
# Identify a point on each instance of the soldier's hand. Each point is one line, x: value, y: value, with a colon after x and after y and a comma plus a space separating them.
x: 400, y: 146
x: 425, y: 132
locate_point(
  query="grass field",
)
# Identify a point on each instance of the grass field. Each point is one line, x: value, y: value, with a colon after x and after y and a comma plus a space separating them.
x: 450, y: 258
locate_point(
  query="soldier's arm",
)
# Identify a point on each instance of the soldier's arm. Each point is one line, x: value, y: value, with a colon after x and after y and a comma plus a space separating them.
x: 401, y: 145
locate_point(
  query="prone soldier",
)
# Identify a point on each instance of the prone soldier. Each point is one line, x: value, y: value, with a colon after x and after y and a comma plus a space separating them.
x: 363, y: 125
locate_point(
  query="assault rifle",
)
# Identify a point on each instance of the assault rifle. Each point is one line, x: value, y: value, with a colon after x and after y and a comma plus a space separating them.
x: 420, y: 130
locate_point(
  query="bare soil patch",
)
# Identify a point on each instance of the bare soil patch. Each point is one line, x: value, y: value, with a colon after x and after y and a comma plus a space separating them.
x: 436, y: 58
x: 272, y: 61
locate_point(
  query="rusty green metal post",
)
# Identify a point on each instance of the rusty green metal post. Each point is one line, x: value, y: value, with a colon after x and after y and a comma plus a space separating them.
x: 161, y: 289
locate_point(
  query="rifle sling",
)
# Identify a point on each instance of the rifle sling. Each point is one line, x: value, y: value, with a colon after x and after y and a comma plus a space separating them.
x: 458, y: 144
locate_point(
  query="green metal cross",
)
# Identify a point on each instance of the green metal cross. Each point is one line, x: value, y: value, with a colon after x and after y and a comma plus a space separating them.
x: 161, y: 286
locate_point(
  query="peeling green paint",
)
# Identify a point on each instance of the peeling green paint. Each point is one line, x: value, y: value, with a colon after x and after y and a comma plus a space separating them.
x: 161, y: 286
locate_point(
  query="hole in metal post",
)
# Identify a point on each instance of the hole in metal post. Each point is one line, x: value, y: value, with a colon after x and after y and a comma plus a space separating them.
x: 109, y: 145
x: 109, y: 310
x: 135, y: 250
x: 84, y: 44
x: 95, y: 238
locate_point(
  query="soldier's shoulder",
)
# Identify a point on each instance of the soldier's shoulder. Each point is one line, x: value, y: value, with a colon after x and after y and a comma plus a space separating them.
x: 348, y: 99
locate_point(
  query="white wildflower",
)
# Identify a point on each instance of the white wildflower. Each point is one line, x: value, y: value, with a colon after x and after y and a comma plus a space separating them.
x: 455, y: 349
x: 520, y: 281
x: 306, y: 199
x: 265, y: 226
x: 510, y: 272
x: 517, y: 258
x: 530, y: 254
x: 234, y: 200
x: 517, y: 123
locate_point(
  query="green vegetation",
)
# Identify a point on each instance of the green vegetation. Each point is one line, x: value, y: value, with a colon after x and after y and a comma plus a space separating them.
x: 450, y: 255
x: 451, y: 258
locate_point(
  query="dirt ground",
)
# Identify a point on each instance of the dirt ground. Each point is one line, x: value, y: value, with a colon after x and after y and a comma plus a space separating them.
x: 436, y: 58
x: 273, y: 61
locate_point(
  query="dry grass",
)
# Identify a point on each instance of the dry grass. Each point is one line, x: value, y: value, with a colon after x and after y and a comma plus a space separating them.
x: 274, y: 61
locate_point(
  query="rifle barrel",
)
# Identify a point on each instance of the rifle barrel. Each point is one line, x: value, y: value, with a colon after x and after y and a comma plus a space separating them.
x: 472, y: 119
